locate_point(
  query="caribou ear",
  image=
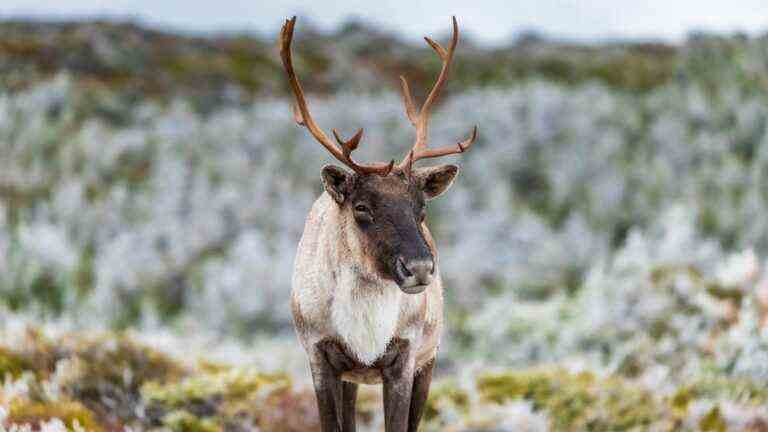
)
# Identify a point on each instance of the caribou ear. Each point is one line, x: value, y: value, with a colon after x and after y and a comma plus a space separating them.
x: 435, y: 180
x: 336, y: 181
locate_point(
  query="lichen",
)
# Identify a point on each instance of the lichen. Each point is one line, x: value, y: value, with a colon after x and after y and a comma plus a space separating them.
x: 11, y: 363
x: 107, y: 372
x: 233, y: 383
x: 576, y: 401
x: 239, y: 396
x: 184, y: 421
x: 713, y: 421
x: 34, y: 413
x: 110, y: 381
x: 729, y: 388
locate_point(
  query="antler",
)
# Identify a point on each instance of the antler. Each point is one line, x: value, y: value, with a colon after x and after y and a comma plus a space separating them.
x: 302, y: 116
x: 421, y: 120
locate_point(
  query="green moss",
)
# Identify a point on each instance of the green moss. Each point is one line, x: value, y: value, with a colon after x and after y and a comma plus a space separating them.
x: 555, y: 392
x: 730, y: 388
x: 183, y: 421
x: 241, y: 398
x: 36, y: 354
x: 223, y: 393
x: 233, y: 383
x: 713, y: 421
x: 11, y: 363
x: 680, y: 400
x: 576, y: 402
x: 33, y: 413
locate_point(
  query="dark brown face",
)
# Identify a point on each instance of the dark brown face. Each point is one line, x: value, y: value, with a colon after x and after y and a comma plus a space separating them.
x: 389, y: 213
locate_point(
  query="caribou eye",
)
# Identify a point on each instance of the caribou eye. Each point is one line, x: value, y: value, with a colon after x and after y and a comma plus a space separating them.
x: 363, y: 214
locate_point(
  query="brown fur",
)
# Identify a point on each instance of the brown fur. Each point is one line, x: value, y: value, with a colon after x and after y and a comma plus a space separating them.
x: 344, y: 277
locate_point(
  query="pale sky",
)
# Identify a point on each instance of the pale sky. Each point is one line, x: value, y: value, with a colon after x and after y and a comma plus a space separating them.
x: 487, y: 21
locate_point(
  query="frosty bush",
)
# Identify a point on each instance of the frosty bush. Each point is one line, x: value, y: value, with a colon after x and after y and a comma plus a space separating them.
x: 586, y: 220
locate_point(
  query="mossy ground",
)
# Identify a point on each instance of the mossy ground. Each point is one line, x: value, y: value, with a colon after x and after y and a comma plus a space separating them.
x: 72, y: 414
x: 110, y: 381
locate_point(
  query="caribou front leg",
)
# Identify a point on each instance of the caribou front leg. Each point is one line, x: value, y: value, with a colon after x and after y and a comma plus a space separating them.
x: 327, y: 364
x: 349, y: 397
x: 397, y: 367
x: 421, y: 383
x: 327, y: 389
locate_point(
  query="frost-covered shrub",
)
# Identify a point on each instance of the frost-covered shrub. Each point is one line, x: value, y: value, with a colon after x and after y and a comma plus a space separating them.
x: 171, y: 212
x: 588, y: 226
x: 665, y: 307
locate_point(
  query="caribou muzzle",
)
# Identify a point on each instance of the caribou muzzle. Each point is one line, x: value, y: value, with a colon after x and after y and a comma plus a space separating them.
x: 414, y: 275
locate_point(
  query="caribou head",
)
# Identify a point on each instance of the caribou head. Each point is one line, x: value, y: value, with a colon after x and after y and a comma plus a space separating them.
x: 383, y: 205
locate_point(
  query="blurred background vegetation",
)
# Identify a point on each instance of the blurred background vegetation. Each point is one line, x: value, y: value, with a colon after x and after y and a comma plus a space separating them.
x: 153, y: 189
x: 139, y: 62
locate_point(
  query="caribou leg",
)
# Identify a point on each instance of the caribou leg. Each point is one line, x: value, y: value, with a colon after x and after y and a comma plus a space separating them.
x: 327, y: 389
x: 328, y: 363
x: 421, y: 382
x: 397, y: 366
x: 349, y: 397
x: 335, y: 398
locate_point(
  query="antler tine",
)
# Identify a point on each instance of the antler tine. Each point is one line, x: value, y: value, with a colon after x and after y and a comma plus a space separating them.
x: 351, y: 144
x: 409, y: 165
x: 447, y: 57
x: 421, y: 121
x: 410, y: 108
x: 297, y: 115
x: 457, y: 148
x: 302, y: 116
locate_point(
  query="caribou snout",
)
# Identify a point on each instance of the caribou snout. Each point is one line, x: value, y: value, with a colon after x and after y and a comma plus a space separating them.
x: 415, y: 274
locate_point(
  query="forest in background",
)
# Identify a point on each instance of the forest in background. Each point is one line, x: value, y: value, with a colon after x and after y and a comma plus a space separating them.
x: 153, y: 188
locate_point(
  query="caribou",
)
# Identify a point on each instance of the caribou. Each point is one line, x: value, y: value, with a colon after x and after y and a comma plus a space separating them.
x: 367, y: 299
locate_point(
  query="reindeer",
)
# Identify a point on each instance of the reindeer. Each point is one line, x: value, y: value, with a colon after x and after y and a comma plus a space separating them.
x: 367, y: 297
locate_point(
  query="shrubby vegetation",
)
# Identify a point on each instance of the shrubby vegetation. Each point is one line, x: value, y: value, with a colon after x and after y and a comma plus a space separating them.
x: 135, y: 61
x: 111, y: 381
x: 604, y: 247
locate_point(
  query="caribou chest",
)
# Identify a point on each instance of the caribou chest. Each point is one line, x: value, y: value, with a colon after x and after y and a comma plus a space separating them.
x: 365, y: 315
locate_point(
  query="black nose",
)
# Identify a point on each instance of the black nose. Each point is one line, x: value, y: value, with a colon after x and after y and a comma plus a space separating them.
x: 421, y: 268
x: 415, y: 274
